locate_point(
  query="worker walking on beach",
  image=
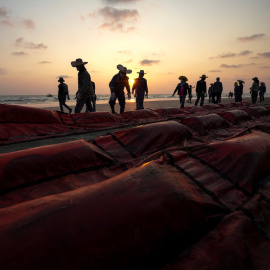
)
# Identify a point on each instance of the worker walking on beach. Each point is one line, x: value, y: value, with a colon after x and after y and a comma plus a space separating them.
x: 117, y: 85
x: 241, y: 88
x: 237, y: 92
x: 190, y: 93
x: 210, y: 92
x: 201, y: 90
x: 141, y: 90
x: 85, y: 86
x: 217, y: 91
x: 254, y: 90
x: 93, y: 99
x: 182, y: 90
x: 262, y: 90
x: 63, y: 94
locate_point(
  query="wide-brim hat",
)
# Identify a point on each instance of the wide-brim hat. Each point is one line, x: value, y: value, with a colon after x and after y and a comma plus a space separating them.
x: 241, y: 81
x: 203, y: 76
x: 183, y: 78
x: 124, y: 69
x: 255, y: 78
x: 78, y: 62
x: 61, y: 79
x: 141, y: 72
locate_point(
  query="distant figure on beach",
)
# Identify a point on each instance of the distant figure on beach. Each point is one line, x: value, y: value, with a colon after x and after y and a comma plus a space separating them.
x: 182, y: 90
x: 210, y: 91
x: 117, y: 85
x: 93, y: 99
x: 201, y: 90
x: 241, y: 87
x: 262, y: 90
x: 190, y: 93
x: 231, y: 94
x: 85, y: 86
x: 217, y: 91
x: 254, y: 89
x: 141, y: 90
x: 63, y: 94
x: 237, y: 92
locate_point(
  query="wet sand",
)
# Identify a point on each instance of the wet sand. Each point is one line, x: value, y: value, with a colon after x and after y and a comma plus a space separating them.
x: 154, y: 104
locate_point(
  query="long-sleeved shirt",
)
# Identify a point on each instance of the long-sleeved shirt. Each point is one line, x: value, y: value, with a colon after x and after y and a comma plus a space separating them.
x: 178, y: 89
x: 140, y: 84
x: 262, y: 89
x: 85, y: 86
x: 255, y: 87
x: 62, y: 89
x: 118, y: 83
x: 218, y: 87
x: 201, y: 87
x: 241, y: 87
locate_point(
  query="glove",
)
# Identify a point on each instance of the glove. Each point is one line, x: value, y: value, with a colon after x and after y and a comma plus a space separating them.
x: 129, y: 95
x: 146, y: 95
x: 78, y: 96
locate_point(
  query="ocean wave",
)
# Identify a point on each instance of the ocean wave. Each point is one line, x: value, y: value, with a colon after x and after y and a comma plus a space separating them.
x: 42, y: 99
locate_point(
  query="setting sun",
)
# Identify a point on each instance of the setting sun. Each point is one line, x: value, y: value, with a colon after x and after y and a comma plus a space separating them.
x: 131, y: 81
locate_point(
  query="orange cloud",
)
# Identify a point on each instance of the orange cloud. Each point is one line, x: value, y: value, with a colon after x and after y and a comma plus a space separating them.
x: 29, y: 45
x: 45, y: 62
x: 264, y: 55
x: 215, y: 70
x: 3, y: 71
x: 119, y: 1
x: 250, y: 38
x: 147, y: 62
x: 22, y: 53
x: 64, y: 77
x: 3, y: 12
x: 6, y: 23
x: 29, y: 23
x: 116, y: 19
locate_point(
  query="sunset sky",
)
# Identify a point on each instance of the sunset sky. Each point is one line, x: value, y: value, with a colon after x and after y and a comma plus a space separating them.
x: 225, y: 38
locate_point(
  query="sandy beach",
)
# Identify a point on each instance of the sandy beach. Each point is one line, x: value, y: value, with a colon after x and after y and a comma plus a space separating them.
x: 153, y: 104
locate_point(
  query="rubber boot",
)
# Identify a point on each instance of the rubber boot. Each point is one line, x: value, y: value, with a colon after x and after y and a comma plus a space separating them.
x: 122, y: 109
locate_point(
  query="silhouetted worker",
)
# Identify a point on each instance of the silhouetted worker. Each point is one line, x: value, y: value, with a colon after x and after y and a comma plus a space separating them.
x: 254, y: 90
x: 190, y: 93
x: 182, y: 90
x: 210, y: 92
x: 262, y: 90
x: 117, y: 85
x: 141, y: 90
x: 63, y: 94
x: 217, y: 90
x: 241, y: 88
x: 93, y: 99
x: 201, y: 90
x: 237, y: 92
x: 85, y: 86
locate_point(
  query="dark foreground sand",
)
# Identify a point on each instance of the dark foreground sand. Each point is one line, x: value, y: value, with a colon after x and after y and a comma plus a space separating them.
x: 150, y: 104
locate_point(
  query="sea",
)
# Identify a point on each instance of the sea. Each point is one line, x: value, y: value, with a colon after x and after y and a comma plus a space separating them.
x: 42, y: 101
